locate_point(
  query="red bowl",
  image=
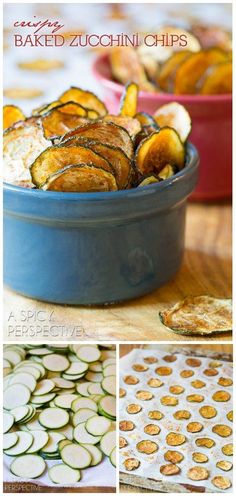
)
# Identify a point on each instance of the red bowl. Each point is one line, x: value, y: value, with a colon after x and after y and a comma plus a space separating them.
x: 211, y: 129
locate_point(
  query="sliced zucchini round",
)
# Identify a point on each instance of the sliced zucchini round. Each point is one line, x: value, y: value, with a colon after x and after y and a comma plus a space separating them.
x: 109, y: 384
x: 9, y: 440
x: 95, y: 453
x: 88, y: 353
x: 63, y: 474
x: 84, y: 403
x: 97, y: 425
x: 82, y: 415
x: 108, y: 442
x: 107, y: 404
x: 28, y: 466
x: 40, y: 439
x: 54, y: 418
x: 24, y: 378
x: 15, y: 395
x: 77, y: 368
x: 44, y: 387
x: 56, y: 362
x: 65, y: 400
x: 8, y: 421
x: 52, y: 445
x: 76, y: 456
x: 82, y: 436
x: 25, y: 439
x: 113, y: 457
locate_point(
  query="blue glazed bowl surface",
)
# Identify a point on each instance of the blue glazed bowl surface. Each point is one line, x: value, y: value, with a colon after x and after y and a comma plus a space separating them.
x: 96, y: 248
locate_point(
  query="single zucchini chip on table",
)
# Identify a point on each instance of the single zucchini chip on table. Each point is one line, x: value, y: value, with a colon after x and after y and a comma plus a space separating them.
x: 81, y: 178
x: 174, y: 115
x: 158, y: 149
x: 85, y: 98
x: 129, y: 100
x: 11, y: 114
x: 202, y: 315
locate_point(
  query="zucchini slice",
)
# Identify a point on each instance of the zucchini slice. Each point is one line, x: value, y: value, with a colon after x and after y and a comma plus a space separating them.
x: 129, y: 100
x: 109, y: 370
x: 63, y: 383
x: 82, y: 415
x: 109, y: 384
x: 199, y: 315
x: 131, y: 124
x: 44, y: 398
x: 83, y: 178
x: 44, y: 387
x: 84, y: 403
x: 25, y: 440
x: 76, y: 456
x: 61, y: 119
x: 82, y: 436
x: 65, y: 400
x: 52, y: 445
x: 95, y: 453
x: 88, y: 353
x: 21, y: 413
x: 166, y: 76
x: 174, y: 115
x: 83, y: 388
x: 24, y: 378
x: 9, y: 440
x: 54, y: 418
x: 108, y: 405
x: 85, y: 98
x: 97, y: 425
x: 28, y: 466
x: 158, y: 149
x: 218, y: 80
x: 15, y: 395
x: 148, y: 180
x: 113, y: 457
x: 56, y: 362
x: 95, y: 388
x: 40, y: 439
x: 77, y: 368
x: 94, y: 376
x: 11, y: 115
x: 108, y: 442
x: 63, y: 474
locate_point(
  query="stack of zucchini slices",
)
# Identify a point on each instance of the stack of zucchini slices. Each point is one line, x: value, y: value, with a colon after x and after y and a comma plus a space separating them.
x: 59, y: 404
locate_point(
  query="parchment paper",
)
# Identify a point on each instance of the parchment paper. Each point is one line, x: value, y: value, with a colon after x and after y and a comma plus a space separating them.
x: 150, y: 464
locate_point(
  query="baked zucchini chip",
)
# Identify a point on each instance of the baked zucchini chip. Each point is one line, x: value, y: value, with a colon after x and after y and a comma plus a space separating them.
x: 159, y: 149
x: 146, y: 119
x: 56, y: 158
x: 190, y: 72
x: 218, y: 80
x: 11, y: 115
x: 129, y: 100
x: 131, y: 125
x: 83, y: 178
x: 105, y: 132
x: 148, y: 180
x: 202, y: 315
x: 174, y: 115
x: 85, y: 98
x: 43, y: 109
x: 63, y: 118
x: 115, y: 156
x: 168, y: 70
x: 126, y: 66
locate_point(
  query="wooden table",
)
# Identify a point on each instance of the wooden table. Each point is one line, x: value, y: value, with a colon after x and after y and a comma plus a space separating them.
x: 206, y: 269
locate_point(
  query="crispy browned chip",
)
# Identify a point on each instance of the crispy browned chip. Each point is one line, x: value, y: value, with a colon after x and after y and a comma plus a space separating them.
x: 170, y: 358
x: 208, y: 411
x: 167, y: 72
x: 122, y: 442
x: 193, y: 362
x: 225, y: 381
x: 222, y: 430
x: 80, y: 178
x: 61, y: 119
x: 163, y: 370
x: 219, y: 80
x: 126, y: 66
x: 230, y: 416
x: 144, y: 395
x: 169, y: 469
x: 221, y: 396
x: 85, y: 98
x: 126, y: 425
x: 205, y: 442
x: 131, y: 380
x: 132, y: 126
x: 224, y: 465
x: 122, y: 392
x: 198, y: 473
x: 155, y: 415
x: 41, y: 65
x: 186, y: 373
x: 129, y: 100
x: 221, y: 482
x: 152, y: 429
x: 194, y: 427
x: 228, y: 449
x: 131, y: 463
x: 155, y: 382
x: 210, y: 372
x: 195, y: 398
x: 175, y: 439
x: 176, y: 389
x: 198, y: 384
x: 138, y: 367
x: 200, y: 457
x: 214, y: 364
x: 169, y: 401
x: 11, y: 114
x: 22, y: 93
x: 173, y: 456
x: 150, y: 359
x: 182, y: 415
x: 147, y: 447
x: 133, y: 408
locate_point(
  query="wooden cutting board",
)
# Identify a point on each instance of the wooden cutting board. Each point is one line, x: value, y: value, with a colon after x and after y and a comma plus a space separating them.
x: 130, y: 483
x: 206, y: 269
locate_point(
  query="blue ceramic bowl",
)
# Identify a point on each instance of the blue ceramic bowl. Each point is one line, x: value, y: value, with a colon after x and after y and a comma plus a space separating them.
x: 96, y: 248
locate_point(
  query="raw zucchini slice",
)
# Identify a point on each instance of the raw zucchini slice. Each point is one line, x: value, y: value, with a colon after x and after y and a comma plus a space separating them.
x: 24, y: 378
x: 108, y: 405
x: 83, y: 388
x: 40, y: 439
x: 76, y: 456
x: 44, y: 387
x: 97, y: 425
x: 108, y: 442
x: 82, y: 415
x: 29, y: 370
x: 94, y: 376
x: 9, y: 440
x: 34, y: 424
x: 11, y: 114
x: 15, y: 395
x: 63, y: 383
x: 77, y: 368
x: 95, y: 388
x: 62, y: 443
x: 85, y: 98
x: 52, y: 444
x: 62, y: 474
x: 56, y: 362
x: 108, y: 361
x: 25, y: 439
x: 8, y: 421
x: 88, y: 353
x: 95, y: 367
x: 203, y: 315
x: 44, y: 398
x: 54, y: 418
x: 113, y: 457
x: 82, y: 436
x: 13, y: 356
x: 109, y: 370
x: 109, y: 384
x: 129, y: 100
x: 84, y: 403
x: 28, y: 466
x: 65, y: 400
x: 174, y: 115
x: 95, y: 453
x: 21, y: 412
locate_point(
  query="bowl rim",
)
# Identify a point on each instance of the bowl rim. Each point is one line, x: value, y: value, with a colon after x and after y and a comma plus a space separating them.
x: 192, y: 159
x: 117, y: 87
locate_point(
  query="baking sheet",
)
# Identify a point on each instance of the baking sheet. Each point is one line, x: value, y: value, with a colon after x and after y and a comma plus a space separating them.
x: 150, y: 464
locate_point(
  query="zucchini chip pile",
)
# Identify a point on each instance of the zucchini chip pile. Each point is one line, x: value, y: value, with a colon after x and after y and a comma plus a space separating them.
x: 74, y: 145
x: 59, y: 404
x: 204, y: 66
x: 168, y: 430
x: 203, y: 315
